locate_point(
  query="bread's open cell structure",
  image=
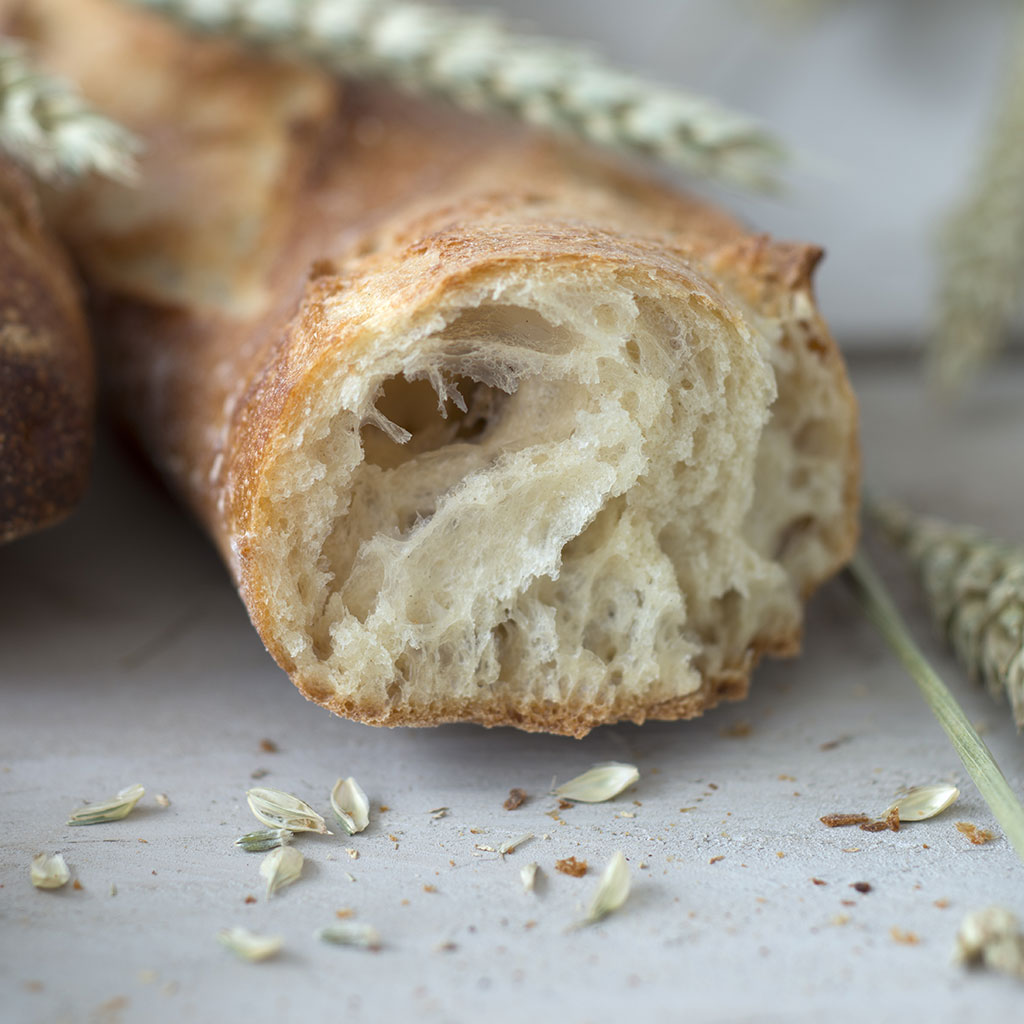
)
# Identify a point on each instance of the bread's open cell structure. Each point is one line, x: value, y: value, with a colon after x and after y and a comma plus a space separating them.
x: 560, y: 494
x: 486, y: 428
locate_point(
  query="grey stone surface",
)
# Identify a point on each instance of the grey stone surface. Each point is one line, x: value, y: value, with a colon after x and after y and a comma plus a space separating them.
x: 126, y: 656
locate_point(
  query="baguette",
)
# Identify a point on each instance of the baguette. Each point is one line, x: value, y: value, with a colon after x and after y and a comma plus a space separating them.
x: 46, y: 369
x: 486, y: 428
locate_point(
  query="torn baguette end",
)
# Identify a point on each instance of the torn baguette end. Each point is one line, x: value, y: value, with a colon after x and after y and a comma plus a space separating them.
x: 566, y: 496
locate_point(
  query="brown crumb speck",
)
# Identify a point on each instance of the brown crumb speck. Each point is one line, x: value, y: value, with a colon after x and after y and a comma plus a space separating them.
x: 840, y: 820
x: 564, y: 805
x: 818, y: 881
x: 941, y: 904
x: 430, y: 888
x: 905, y: 938
x: 715, y: 860
x: 779, y: 854
x: 891, y: 821
x: 738, y: 730
x: 34, y: 986
x: 516, y: 798
x: 571, y: 866
x: 787, y: 778
x: 978, y: 836
x: 832, y: 744
x: 393, y: 838
x: 711, y: 785
x: 848, y: 903
x: 250, y: 898
x: 77, y: 885
x: 874, y: 826
x: 383, y: 808
x: 851, y: 849
x: 268, y: 746
x: 864, y: 887
x: 344, y: 912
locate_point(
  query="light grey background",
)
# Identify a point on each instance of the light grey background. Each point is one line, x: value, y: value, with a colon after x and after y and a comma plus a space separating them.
x: 884, y: 103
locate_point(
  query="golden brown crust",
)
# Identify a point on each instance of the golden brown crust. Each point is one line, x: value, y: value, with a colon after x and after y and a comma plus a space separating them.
x: 361, y: 209
x: 46, y: 372
x: 560, y: 719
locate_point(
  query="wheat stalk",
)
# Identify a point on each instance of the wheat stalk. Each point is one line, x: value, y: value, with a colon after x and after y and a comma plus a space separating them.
x: 47, y: 126
x: 974, y: 586
x: 976, y: 757
x: 982, y: 251
x: 477, y: 62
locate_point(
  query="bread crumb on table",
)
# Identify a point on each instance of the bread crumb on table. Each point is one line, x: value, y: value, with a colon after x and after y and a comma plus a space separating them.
x: 905, y: 938
x: 738, y: 730
x: 840, y: 820
x: 571, y: 866
x: 516, y: 798
x: 978, y: 836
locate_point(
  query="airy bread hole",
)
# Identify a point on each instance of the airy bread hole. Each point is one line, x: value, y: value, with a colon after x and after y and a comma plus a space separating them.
x: 516, y: 326
x: 427, y: 421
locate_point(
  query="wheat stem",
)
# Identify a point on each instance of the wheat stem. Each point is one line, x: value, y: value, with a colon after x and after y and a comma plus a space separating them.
x: 977, y: 758
x: 47, y: 126
x: 477, y: 62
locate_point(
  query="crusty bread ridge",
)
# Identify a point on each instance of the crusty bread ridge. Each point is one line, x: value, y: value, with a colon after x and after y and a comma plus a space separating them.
x: 486, y: 428
x: 46, y: 371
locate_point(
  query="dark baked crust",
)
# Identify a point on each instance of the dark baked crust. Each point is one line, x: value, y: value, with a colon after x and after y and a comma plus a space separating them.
x: 46, y: 370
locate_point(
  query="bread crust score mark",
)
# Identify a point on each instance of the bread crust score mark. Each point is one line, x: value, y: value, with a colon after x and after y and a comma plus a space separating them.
x: 486, y: 429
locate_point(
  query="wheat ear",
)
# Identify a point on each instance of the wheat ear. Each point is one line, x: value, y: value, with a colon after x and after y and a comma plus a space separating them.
x: 477, y: 62
x: 974, y: 586
x: 982, y: 249
x: 47, y: 126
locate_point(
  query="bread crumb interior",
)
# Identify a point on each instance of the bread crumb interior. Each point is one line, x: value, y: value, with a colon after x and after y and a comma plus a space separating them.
x: 580, y: 493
